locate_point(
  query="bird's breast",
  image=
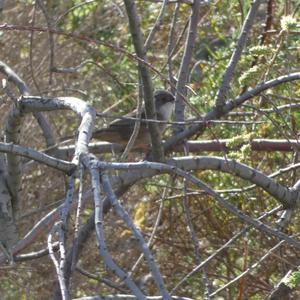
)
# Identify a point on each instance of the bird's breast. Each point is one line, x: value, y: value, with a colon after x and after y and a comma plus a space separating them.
x: 165, y: 111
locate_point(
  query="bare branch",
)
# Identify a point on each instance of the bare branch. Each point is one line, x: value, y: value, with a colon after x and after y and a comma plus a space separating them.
x: 24, y: 90
x: 8, y: 228
x: 227, y: 76
x: 156, y: 25
x: 222, y: 145
x: 60, y: 228
x: 13, y: 77
x: 128, y: 297
x: 50, y: 161
x: 36, y: 254
x: 284, y: 195
x: 59, y: 271
x: 142, y: 244
x: 215, y: 113
x: 100, y: 236
x: 184, y: 67
x: 100, y: 279
x: 134, y: 25
x: 88, y: 114
x: 290, y: 197
x: 221, y: 249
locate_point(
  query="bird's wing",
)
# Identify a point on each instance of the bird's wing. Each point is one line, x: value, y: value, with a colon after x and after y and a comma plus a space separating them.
x: 128, y: 122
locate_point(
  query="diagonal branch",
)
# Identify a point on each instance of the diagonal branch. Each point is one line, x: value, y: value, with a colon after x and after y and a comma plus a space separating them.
x: 107, y: 259
x: 156, y: 25
x: 142, y: 244
x: 228, y: 74
x: 161, y: 168
x: 43, y: 158
x: 215, y: 113
x: 221, y: 249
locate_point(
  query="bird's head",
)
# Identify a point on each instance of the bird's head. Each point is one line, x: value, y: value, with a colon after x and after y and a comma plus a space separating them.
x: 164, y: 104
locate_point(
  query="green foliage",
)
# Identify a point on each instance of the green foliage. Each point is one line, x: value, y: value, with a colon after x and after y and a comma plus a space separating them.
x: 293, y: 280
x: 288, y: 23
x: 251, y: 75
x: 81, y: 12
x: 238, y: 140
x: 260, y: 50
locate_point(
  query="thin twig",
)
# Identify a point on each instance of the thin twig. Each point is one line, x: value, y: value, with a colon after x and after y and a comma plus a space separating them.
x: 50, y: 35
x: 223, y: 247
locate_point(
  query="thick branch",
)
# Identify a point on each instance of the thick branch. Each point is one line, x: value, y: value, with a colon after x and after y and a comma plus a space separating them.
x: 222, y: 145
x: 134, y: 25
x: 87, y: 112
x: 24, y: 90
x: 124, y: 180
x: 158, y: 168
x: 289, y: 198
x: 53, y: 162
x: 8, y: 229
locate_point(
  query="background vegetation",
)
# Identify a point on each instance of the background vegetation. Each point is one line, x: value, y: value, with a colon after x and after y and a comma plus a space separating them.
x: 74, y: 60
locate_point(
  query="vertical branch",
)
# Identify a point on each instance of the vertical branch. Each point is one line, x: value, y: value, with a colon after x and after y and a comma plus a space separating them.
x: 14, y: 169
x: 137, y: 38
x: 84, y: 234
x: 77, y: 219
x: 60, y: 227
x: 59, y: 271
x: 12, y: 135
x: 171, y: 45
x: 228, y: 74
x: 51, y: 37
x: 68, y: 201
x: 100, y: 236
x: 136, y: 128
x: 184, y: 67
x: 31, y: 50
x: 8, y: 228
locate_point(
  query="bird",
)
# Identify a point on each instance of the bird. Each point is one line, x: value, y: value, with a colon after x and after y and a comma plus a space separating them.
x: 119, y: 131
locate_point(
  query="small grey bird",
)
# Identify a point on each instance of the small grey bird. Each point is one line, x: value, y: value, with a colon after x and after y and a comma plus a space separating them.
x: 120, y: 130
